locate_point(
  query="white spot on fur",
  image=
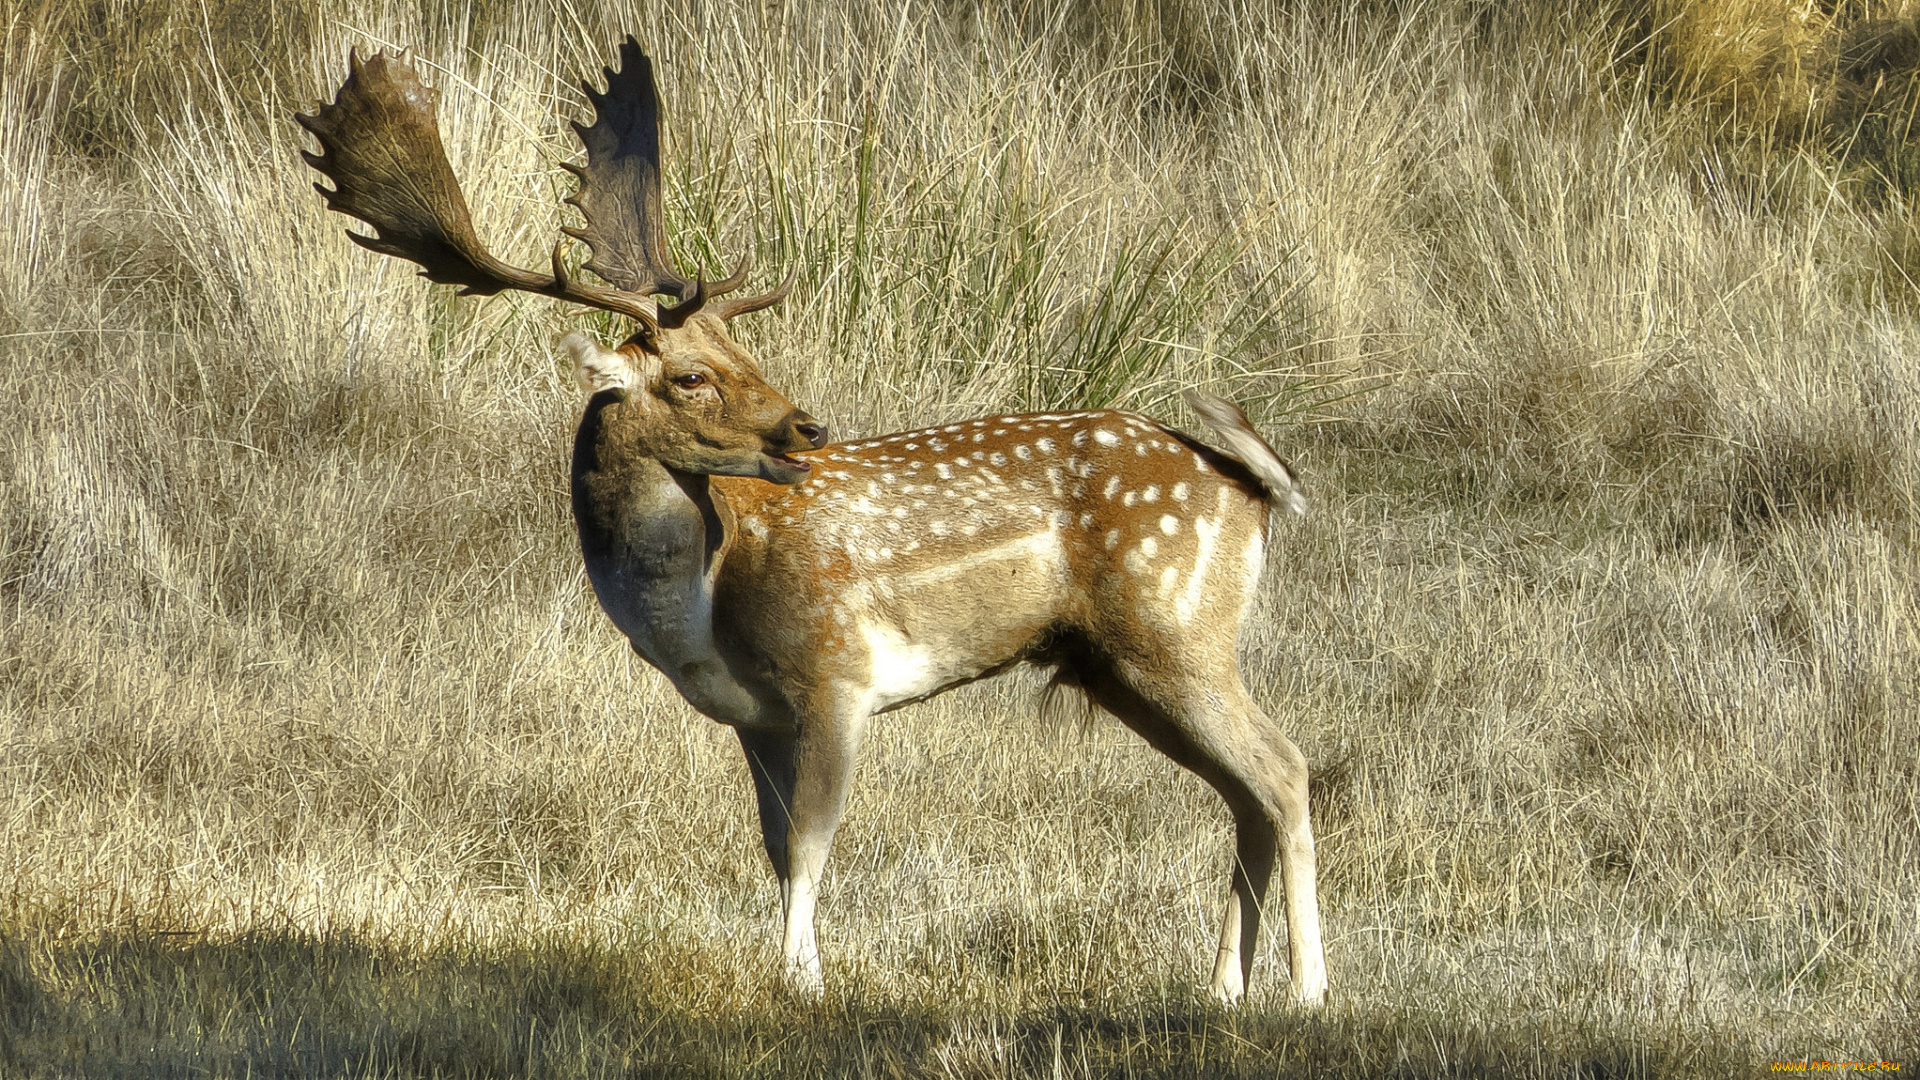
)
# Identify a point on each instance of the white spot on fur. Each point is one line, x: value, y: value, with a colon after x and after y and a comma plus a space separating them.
x: 1169, y: 524
x: 1189, y: 602
x: 1113, y: 485
x: 1106, y: 438
x: 1180, y: 491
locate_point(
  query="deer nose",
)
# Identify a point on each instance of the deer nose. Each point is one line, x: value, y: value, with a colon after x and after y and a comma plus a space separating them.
x: 811, y: 430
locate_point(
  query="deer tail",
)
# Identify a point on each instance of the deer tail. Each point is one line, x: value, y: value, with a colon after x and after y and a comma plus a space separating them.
x: 1245, y: 445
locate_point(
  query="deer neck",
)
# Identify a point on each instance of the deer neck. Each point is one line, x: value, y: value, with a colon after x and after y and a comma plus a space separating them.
x: 653, y: 539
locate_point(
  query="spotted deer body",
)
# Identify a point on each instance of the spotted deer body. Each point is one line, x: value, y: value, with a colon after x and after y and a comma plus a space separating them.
x: 792, y: 588
x: 925, y: 559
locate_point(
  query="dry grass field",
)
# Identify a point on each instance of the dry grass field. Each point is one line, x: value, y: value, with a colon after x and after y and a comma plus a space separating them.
x: 1592, y: 328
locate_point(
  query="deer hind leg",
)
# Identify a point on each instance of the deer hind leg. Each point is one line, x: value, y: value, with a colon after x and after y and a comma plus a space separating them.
x: 1268, y: 777
x: 1212, y: 727
x: 801, y: 780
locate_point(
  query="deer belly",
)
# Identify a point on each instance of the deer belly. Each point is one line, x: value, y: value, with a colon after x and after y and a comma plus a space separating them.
x: 949, y: 620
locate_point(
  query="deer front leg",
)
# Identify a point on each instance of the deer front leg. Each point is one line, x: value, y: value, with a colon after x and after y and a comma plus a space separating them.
x: 770, y: 761
x: 801, y: 779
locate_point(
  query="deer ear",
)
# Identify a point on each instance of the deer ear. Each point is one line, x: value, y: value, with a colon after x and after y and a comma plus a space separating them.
x: 596, y: 367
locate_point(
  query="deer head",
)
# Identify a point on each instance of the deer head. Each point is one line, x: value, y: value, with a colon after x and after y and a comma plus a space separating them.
x: 695, y: 402
x: 682, y: 388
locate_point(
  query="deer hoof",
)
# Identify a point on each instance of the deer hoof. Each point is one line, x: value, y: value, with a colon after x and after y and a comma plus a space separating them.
x: 1227, y: 997
x: 804, y: 984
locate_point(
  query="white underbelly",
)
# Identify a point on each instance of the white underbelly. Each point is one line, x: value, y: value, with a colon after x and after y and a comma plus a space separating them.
x: 903, y: 669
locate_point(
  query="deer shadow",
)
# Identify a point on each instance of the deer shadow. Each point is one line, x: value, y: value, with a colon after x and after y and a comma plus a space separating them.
x: 295, y: 1004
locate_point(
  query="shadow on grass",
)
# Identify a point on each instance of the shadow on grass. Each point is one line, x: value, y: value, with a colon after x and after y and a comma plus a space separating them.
x: 297, y: 1005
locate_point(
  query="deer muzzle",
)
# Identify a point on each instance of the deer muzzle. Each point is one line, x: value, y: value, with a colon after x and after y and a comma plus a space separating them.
x: 796, y: 433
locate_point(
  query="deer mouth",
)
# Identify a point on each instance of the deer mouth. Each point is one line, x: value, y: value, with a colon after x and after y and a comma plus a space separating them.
x: 785, y: 468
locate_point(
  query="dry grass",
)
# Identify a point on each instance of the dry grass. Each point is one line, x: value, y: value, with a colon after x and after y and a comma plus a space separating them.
x: 317, y: 758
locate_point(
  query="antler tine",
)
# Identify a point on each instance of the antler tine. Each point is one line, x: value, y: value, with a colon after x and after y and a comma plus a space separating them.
x: 380, y: 142
x: 705, y: 291
x: 740, y: 305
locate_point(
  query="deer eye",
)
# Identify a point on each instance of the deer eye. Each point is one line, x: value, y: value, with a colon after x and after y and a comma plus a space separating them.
x: 692, y: 380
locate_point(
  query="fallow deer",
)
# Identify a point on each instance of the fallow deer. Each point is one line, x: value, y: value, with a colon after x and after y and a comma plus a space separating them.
x: 791, y: 588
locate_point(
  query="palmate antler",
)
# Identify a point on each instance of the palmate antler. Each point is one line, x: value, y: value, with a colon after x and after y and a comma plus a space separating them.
x: 381, y: 148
